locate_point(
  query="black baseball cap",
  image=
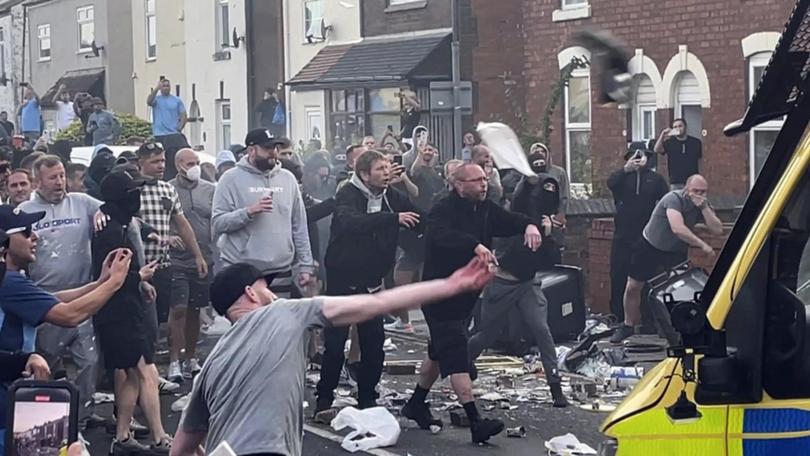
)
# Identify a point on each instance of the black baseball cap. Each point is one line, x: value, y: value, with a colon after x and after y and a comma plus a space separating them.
x: 15, y: 220
x: 116, y: 185
x: 260, y: 137
x: 636, y: 146
x: 126, y: 157
x: 229, y: 285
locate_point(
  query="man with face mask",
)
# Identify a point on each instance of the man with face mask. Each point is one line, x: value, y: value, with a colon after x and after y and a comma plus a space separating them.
x: 540, y: 159
x: 64, y: 247
x: 259, y: 217
x: 636, y: 189
x: 122, y: 325
x: 514, y: 290
x: 189, y: 291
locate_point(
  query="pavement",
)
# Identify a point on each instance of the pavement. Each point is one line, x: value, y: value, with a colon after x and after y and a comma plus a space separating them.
x: 530, y: 408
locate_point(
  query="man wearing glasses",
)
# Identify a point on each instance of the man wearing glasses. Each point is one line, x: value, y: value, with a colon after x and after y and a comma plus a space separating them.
x: 460, y: 227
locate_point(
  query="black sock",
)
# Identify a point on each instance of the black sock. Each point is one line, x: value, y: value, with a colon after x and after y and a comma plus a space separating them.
x: 419, y: 395
x: 472, y: 411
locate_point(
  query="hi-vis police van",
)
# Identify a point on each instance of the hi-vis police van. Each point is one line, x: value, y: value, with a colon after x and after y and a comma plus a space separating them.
x: 740, y: 383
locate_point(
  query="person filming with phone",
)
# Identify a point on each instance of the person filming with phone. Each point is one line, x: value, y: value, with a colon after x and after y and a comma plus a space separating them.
x: 259, y: 217
x: 684, y: 153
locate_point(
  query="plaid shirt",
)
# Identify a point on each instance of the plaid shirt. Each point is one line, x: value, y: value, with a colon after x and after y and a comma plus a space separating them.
x: 159, y: 203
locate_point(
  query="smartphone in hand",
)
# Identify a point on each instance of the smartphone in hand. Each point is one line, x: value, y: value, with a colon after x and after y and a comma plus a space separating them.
x: 43, y: 418
x: 398, y: 160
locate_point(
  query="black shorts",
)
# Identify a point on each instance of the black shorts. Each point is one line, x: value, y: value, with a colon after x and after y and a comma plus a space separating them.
x: 162, y: 281
x: 647, y: 262
x: 448, y: 345
x: 188, y: 289
x: 123, y: 345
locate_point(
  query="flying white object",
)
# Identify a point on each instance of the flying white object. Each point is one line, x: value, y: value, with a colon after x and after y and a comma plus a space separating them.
x: 505, y: 147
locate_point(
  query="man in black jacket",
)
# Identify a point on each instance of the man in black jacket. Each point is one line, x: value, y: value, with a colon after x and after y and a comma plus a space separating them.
x: 365, y: 229
x: 514, y: 290
x: 636, y: 189
x: 460, y: 227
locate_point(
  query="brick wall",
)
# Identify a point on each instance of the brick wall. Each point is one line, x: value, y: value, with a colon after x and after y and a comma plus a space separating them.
x: 597, y: 266
x: 712, y: 30
x: 377, y: 21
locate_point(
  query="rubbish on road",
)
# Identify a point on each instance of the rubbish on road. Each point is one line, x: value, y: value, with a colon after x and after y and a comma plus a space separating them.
x: 459, y: 419
x: 373, y: 428
x: 598, y: 406
x: 449, y: 406
x: 341, y: 402
x: 180, y: 404
x: 395, y: 399
x: 435, y: 429
x: 326, y: 416
x: 595, y: 368
x: 493, y: 397
x: 504, y: 405
x: 389, y: 346
x: 411, y: 352
x: 516, y: 432
x: 623, y: 378
x: 401, y: 367
x: 562, y: 354
x: 102, y: 398
x: 568, y: 445
x: 488, y: 407
x: 502, y: 362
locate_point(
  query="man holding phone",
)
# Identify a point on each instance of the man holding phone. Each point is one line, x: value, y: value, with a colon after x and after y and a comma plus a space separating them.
x: 259, y: 216
x: 684, y: 153
x: 26, y: 306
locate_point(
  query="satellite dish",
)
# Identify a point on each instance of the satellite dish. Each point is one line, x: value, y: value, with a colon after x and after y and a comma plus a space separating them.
x: 95, y: 48
x: 235, y: 39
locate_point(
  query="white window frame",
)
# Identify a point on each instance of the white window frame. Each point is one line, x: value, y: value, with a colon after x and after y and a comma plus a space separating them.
x: 403, y: 2
x: 2, y: 52
x: 758, y: 60
x: 43, y: 35
x: 223, y: 24
x: 313, y: 20
x: 223, y: 123
x: 638, y: 127
x: 577, y: 127
x: 150, y: 16
x: 89, y: 18
x: 569, y: 4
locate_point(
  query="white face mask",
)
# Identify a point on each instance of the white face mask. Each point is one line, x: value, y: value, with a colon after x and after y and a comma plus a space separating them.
x: 194, y: 173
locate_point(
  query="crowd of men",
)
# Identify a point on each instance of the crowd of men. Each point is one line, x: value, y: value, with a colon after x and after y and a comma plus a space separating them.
x: 110, y: 254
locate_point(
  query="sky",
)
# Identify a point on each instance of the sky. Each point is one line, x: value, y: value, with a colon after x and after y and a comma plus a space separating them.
x: 30, y: 414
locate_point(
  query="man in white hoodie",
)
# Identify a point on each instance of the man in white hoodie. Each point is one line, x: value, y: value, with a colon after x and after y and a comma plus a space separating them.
x: 259, y: 217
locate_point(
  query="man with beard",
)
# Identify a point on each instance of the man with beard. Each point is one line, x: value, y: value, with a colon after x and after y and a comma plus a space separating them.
x: 122, y: 325
x: 460, y: 226
x: 361, y: 251
x: 64, y: 244
x: 513, y: 288
x: 259, y: 217
x: 636, y: 190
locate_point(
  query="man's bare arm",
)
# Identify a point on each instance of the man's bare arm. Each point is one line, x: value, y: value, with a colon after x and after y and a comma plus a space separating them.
x: 683, y: 232
x: 713, y: 223
x: 186, y: 443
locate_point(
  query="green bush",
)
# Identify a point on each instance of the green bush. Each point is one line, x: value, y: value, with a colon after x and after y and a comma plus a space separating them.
x: 131, y: 126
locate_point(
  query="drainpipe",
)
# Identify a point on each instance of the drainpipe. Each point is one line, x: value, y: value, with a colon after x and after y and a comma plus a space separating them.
x: 456, y: 62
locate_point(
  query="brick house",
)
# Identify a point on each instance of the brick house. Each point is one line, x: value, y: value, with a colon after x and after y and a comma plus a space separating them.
x: 697, y: 59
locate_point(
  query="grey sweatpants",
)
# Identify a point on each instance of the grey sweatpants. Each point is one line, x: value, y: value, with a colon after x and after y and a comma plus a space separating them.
x: 54, y: 342
x: 500, y: 298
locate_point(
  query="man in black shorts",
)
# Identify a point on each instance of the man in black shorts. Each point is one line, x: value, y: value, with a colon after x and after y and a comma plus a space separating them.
x: 460, y: 227
x: 665, y: 243
x: 123, y: 324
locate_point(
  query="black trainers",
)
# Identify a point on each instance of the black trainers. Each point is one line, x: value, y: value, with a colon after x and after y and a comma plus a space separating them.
x: 485, y: 428
x: 622, y: 333
x: 557, y: 394
x: 421, y: 414
x: 127, y: 447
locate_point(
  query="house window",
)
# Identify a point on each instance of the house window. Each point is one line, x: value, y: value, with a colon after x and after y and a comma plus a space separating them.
x: 223, y: 23
x: 403, y: 2
x: 578, y: 129
x: 151, y: 30
x: 44, y: 35
x: 644, y: 109
x: 224, y: 123
x: 3, y: 54
x: 384, y: 111
x: 763, y: 136
x: 347, y: 117
x: 87, y: 27
x: 313, y: 20
x: 570, y: 4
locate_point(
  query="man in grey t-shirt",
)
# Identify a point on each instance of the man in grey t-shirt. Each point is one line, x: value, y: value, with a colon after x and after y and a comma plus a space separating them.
x: 250, y: 391
x: 665, y: 243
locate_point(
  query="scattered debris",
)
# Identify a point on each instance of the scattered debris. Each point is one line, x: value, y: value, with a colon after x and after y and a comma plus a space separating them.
x: 401, y: 367
x: 518, y: 432
x: 389, y: 346
x: 493, y: 397
x: 101, y: 398
x: 568, y: 445
x: 459, y: 419
x: 372, y: 428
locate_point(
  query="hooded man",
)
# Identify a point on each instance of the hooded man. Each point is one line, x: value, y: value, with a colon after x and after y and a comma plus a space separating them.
x: 361, y: 252
x: 225, y: 161
x: 636, y: 190
x: 513, y: 288
x: 100, y: 165
x: 259, y: 217
x: 541, y: 161
x: 122, y: 324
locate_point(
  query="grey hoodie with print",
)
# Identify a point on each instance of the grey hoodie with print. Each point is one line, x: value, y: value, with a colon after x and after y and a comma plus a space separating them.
x: 275, y: 241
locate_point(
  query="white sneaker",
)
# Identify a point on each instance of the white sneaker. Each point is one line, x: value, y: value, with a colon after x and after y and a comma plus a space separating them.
x: 180, y: 404
x: 193, y: 365
x: 175, y: 374
x: 165, y: 386
x: 399, y: 326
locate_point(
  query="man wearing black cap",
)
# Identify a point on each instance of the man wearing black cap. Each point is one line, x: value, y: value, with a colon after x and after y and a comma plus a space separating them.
x: 250, y: 390
x: 259, y: 216
x: 26, y: 306
x: 122, y: 325
x: 636, y: 189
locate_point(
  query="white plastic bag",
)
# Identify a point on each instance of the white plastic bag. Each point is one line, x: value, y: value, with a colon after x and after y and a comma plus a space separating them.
x: 505, y: 148
x: 373, y: 428
x: 568, y: 445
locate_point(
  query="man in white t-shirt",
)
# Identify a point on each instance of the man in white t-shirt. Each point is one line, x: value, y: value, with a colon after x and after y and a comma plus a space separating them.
x: 65, y: 114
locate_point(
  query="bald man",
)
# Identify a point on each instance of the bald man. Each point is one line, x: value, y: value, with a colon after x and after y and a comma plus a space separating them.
x: 189, y: 291
x: 460, y: 227
x: 665, y: 243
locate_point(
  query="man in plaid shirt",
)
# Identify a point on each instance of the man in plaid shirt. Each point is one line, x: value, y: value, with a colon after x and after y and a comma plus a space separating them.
x: 160, y: 207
